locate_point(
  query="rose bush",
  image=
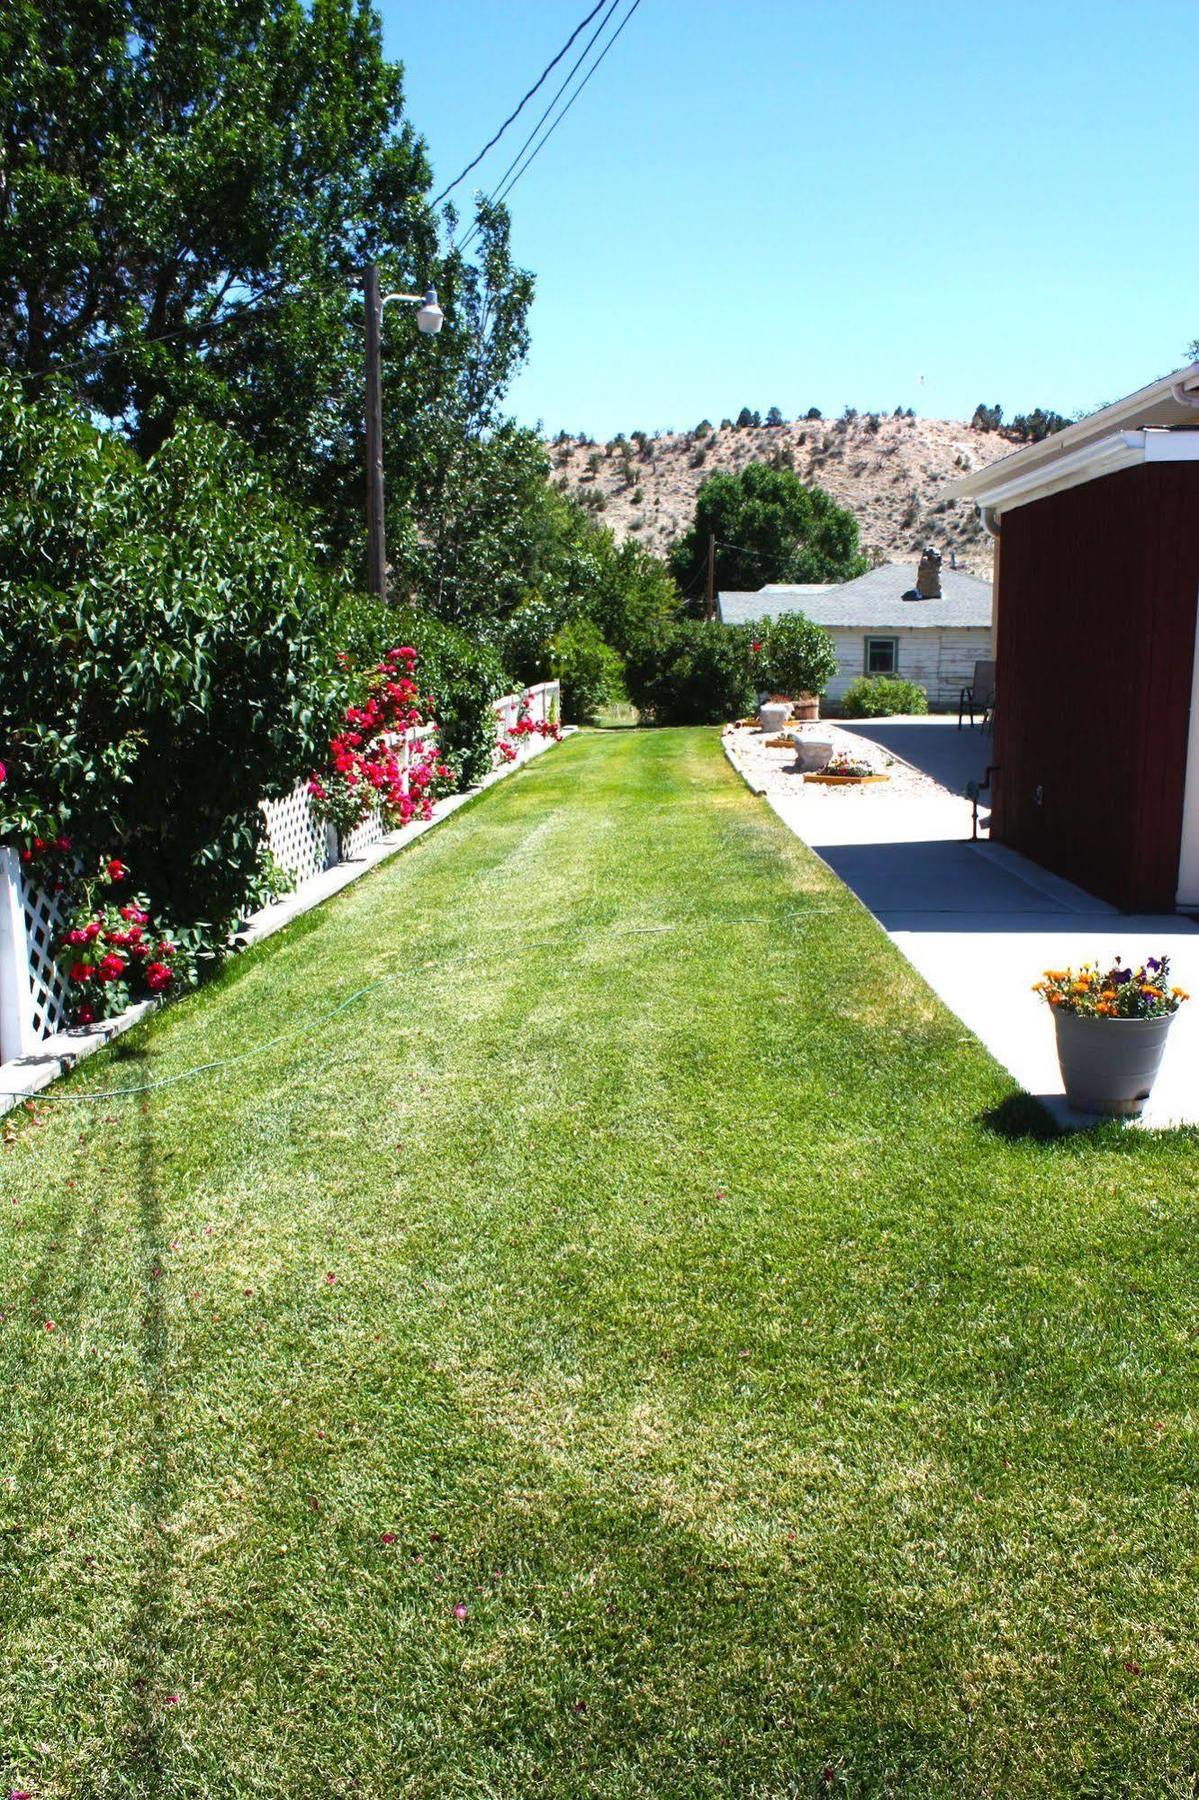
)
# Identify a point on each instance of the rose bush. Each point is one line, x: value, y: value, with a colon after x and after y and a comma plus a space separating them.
x: 369, y: 764
x: 110, y: 948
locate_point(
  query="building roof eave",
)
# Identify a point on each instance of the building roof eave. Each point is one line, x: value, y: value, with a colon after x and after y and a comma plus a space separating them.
x: 1166, y: 404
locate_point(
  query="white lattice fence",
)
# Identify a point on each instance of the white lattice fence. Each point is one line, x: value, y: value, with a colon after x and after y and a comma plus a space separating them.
x: 33, y: 989
x: 299, y: 842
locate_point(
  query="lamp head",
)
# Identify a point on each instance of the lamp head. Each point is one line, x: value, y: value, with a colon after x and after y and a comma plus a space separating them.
x: 430, y: 318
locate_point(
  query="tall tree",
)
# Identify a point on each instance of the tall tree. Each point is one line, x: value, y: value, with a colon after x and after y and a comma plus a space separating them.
x: 768, y: 527
x: 189, y: 190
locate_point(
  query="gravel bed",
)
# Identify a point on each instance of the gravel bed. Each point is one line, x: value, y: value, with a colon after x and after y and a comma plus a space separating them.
x: 776, y: 770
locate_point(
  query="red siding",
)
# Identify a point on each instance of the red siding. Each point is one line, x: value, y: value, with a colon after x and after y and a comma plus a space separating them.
x: 1096, y: 635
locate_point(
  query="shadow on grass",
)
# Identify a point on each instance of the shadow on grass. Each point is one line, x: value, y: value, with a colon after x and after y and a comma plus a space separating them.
x: 1022, y: 1119
x: 148, y: 1649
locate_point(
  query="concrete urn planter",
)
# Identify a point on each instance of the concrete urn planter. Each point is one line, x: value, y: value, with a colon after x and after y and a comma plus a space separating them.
x: 773, y: 714
x: 807, y: 706
x: 812, y: 753
x: 1109, y: 1065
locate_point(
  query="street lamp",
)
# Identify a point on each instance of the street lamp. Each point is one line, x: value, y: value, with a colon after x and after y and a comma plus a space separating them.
x: 429, y: 319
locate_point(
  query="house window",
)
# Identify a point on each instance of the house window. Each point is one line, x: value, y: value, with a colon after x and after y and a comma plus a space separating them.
x: 882, y: 656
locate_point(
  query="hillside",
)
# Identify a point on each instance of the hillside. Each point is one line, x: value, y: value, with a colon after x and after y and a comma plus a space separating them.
x: 890, y: 472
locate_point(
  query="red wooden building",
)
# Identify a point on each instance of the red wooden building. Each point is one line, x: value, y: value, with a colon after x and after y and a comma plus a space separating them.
x: 1096, y: 734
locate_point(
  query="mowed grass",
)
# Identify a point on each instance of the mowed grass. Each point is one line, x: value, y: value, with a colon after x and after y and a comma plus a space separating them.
x: 638, y: 1348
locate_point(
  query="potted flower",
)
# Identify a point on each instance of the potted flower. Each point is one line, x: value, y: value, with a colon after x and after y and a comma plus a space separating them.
x: 1111, y: 1031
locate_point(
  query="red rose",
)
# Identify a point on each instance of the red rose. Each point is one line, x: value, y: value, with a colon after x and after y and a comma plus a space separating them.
x: 3, y: 774
x: 82, y: 971
x: 111, y: 967
x: 115, y: 869
x: 85, y: 1015
x: 158, y: 977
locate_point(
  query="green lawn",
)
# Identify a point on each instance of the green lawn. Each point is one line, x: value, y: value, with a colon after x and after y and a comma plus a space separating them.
x: 650, y: 1267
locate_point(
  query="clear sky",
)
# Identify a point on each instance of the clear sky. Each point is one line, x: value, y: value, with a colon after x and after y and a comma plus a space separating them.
x: 831, y: 202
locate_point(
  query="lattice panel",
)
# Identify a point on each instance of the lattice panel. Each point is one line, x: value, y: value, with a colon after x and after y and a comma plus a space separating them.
x: 363, y: 836
x: 299, y: 841
x: 47, y: 983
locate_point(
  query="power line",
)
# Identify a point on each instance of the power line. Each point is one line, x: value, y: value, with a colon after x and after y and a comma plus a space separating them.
x: 513, y: 172
x: 591, y: 71
x: 573, y: 70
x: 492, y: 142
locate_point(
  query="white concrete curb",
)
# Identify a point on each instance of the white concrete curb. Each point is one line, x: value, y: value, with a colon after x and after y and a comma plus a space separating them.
x: 24, y: 1077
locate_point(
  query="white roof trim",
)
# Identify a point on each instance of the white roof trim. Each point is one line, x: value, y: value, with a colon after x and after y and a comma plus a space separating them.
x: 1168, y: 403
x: 1009, y: 486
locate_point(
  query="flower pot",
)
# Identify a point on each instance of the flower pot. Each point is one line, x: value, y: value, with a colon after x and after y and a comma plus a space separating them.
x: 806, y: 707
x: 1109, y: 1065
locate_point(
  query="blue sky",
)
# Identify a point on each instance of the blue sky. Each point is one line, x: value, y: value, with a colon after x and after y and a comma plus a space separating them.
x: 822, y: 202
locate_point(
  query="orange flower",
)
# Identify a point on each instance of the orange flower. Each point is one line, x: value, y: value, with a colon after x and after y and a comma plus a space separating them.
x: 1179, y: 994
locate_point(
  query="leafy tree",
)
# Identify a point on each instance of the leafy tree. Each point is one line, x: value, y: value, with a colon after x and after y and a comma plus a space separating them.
x: 744, y: 418
x: 768, y: 527
x: 813, y: 412
x: 190, y: 194
x: 775, y: 417
x: 987, y: 418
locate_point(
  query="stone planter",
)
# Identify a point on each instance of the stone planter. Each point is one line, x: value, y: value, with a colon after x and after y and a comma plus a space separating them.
x: 773, y: 715
x: 812, y: 753
x: 1109, y: 1065
x: 807, y: 707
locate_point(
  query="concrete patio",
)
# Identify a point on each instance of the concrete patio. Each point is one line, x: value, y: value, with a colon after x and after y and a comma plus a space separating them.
x: 979, y: 922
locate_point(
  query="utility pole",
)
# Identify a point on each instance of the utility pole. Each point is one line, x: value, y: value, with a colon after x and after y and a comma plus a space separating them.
x: 376, y: 546
x: 711, y: 574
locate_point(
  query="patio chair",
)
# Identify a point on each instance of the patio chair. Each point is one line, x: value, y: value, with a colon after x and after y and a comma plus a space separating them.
x: 979, y: 697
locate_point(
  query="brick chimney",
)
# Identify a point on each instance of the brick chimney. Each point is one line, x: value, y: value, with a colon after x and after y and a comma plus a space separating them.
x: 928, y: 575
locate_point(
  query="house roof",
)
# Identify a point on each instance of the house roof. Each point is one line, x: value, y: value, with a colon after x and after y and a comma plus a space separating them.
x: 1089, y: 447
x: 873, y: 601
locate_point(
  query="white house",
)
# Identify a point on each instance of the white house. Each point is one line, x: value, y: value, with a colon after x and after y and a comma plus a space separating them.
x: 928, y: 625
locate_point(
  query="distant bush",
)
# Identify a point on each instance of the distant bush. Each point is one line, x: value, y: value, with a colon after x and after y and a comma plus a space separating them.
x: 878, y: 696
x: 692, y: 672
x: 588, y: 669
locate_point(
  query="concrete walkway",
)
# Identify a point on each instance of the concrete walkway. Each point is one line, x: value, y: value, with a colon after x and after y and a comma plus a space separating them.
x: 981, y: 923
x: 934, y: 745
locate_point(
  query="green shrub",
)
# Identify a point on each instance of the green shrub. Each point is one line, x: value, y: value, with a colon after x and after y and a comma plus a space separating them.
x: 590, y: 672
x: 168, y: 651
x: 877, y: 696
x: 693, y: 672
x: 797, y: 657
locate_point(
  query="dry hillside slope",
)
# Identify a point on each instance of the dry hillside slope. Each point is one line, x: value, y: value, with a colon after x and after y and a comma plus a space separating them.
x: 890, y: 473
